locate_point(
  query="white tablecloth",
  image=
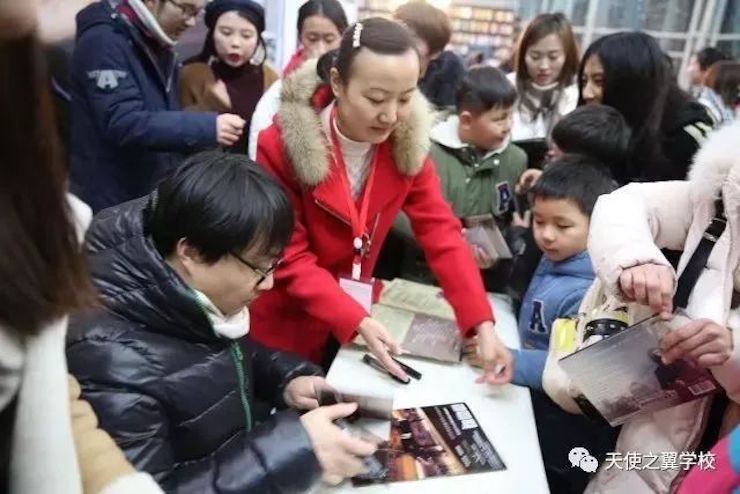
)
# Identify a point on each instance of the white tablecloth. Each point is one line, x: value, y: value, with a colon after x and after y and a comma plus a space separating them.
x: 505, y: 414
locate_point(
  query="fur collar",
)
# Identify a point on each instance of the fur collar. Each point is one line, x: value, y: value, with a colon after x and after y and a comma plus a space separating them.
x: 305, y: 142
x: 717, y: 164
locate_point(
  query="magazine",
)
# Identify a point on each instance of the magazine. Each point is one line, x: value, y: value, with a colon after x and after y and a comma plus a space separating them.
x: 434, y: 441
x: 623, y: 375
x: 420, y: 319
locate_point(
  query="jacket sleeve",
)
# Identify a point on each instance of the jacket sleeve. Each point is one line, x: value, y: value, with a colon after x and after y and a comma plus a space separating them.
x: 529, y: 365
x: 109, y: 85
x: 439, y: 234
x: 631, y: 225
x: 274, y: 457
x: 322, y: 298
x: 274, y: 369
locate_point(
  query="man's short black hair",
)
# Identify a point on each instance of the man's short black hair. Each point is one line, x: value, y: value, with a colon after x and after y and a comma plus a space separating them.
x: 484, y: 88
x: 598, y: 131
x: 221, y: 203
x: 576, y: 178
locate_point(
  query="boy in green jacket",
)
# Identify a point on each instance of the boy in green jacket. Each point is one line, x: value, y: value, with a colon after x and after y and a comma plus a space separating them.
x: 477, y: 165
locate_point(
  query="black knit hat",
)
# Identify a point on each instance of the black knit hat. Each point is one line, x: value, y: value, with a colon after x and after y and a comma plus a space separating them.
x: 252, y: 10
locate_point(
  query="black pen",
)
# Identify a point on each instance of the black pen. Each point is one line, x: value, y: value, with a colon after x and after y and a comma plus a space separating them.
x: 408, y: 369
x: 370, y: 360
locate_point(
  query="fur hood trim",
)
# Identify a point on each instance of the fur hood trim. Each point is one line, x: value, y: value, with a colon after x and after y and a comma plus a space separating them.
x: 307, y: 146
x: 717, y: 163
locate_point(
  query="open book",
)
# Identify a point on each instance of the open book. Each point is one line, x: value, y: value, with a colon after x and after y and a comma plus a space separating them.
x: 420, y: 319
x: 623, y: 375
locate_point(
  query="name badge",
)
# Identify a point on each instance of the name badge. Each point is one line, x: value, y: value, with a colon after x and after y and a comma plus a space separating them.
x: 360, y: 290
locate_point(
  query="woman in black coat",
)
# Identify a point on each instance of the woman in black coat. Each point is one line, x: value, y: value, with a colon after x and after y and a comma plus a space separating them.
x: 166, y: 361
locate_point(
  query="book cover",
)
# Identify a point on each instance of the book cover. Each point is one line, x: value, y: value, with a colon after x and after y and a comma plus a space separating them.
x: 623, y: 375
x: 434, y: 441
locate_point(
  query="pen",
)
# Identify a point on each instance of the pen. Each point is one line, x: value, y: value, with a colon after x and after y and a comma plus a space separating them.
x: 370, y: 360
x: 408, y: 369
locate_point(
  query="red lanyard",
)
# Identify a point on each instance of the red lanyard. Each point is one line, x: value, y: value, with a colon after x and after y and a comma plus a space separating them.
x: 358, y: 219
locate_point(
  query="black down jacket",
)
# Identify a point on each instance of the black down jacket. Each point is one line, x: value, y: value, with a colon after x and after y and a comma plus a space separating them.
x: 174, y: 396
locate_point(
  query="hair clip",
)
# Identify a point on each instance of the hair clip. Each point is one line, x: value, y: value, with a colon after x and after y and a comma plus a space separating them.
x: 356, y: 35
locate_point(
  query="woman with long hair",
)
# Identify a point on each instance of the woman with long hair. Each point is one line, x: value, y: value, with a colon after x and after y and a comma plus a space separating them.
x: 351, y: 154
x: 545, y: 64
x: 230, y: 74
x: 48, y: 437
x: 629, y: 72
x: 320, y: 27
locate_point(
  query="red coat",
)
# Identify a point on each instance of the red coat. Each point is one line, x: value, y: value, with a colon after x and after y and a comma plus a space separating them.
x: 307, y: 304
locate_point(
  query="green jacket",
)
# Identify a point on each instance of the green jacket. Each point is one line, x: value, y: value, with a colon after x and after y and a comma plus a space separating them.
x: 471, y: 183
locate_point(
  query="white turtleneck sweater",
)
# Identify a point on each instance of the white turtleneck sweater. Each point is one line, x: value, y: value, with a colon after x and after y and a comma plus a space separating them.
x: 357, y: 155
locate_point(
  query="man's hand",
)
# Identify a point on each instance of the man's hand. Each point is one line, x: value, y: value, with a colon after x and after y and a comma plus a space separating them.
x: 339, y: 455
x: 703, y: 341
x: 301, y: 393
x: 229, y: 128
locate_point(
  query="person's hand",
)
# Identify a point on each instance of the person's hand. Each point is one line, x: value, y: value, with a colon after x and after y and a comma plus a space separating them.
x: 703, y: 341
x: 651, y: 285
x: 338, y: 454
x: 495, y: 358
x: 219, y: 91
x: 380, y: 343
x: 482, y: 259
x: 229, y: 128
x: 527, y: 180
x: 301, y: 392
x: 522, y: 220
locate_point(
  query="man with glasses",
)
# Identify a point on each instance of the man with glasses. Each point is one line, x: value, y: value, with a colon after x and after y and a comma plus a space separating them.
x: 127, y: 130
x: 166, y: 361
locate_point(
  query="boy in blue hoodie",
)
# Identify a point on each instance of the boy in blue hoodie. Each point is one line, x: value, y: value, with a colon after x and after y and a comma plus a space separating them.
x: 562, y: 200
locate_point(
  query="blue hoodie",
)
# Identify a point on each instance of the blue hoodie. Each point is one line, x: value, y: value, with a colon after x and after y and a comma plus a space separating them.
x: 126, y: 132
x: 556, y: 291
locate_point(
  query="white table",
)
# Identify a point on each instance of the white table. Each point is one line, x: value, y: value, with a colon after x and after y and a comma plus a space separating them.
x: 504, y: 413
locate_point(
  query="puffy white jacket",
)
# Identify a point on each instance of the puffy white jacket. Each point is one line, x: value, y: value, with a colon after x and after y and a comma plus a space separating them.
x: 628, y: 228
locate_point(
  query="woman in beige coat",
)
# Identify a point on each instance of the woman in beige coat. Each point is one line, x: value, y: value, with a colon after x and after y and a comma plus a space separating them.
x: 628, y: 229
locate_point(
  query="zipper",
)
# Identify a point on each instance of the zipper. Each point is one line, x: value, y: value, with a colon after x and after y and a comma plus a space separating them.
x: 329, y: 210
x: 238, y: 357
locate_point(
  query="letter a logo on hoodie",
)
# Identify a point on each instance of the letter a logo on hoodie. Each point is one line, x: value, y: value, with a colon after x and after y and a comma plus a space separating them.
x: 106, y: 79
x: 537, y: 320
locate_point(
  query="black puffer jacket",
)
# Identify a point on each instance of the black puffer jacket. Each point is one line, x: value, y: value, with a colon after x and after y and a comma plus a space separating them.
x: 174, y: 396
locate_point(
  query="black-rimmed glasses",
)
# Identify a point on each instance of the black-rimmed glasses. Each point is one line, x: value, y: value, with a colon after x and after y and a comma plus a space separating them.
x: 186, y: 9
x: 264, y: 273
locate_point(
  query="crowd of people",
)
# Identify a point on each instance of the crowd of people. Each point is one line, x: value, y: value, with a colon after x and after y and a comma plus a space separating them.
x: 184, y: 265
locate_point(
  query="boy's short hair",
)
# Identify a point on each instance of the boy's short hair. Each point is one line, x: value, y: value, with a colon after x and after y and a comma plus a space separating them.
x: 221, y: 203
x: 598, y: 131
x: 576, y: 178
x: 484, y: 88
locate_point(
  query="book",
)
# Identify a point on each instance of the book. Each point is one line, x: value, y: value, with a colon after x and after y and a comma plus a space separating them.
x: 420, y: 319
x: 623, y: 375
x: 483, y: 232
x: 433, y: 441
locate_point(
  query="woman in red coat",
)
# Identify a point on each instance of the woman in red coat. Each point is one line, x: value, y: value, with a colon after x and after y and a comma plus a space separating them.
x: 351, y: 155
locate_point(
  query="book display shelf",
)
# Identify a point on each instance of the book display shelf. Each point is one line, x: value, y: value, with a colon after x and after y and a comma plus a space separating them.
x: 475, y: 29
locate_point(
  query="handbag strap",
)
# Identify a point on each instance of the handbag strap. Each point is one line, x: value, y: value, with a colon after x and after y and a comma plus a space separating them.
x: 698, y: 260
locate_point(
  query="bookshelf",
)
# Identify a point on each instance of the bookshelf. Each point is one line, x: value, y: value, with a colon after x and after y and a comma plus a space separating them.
x: 475, y: 28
